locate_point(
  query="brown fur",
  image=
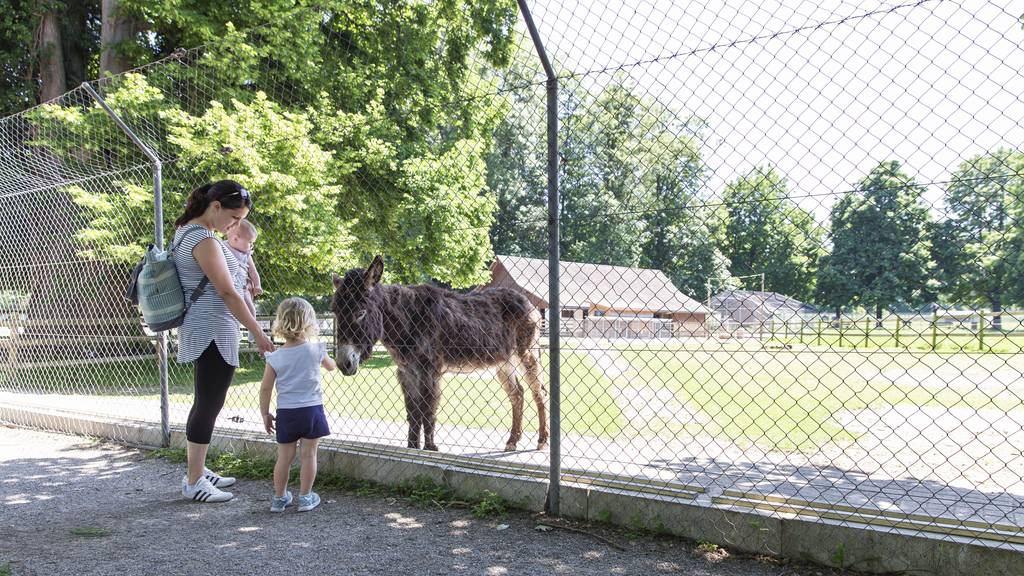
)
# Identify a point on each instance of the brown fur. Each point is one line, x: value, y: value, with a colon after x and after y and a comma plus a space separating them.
x: 429, y: 331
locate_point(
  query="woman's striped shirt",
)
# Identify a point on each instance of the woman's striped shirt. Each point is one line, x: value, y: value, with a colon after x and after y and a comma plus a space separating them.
x: 208, y: 319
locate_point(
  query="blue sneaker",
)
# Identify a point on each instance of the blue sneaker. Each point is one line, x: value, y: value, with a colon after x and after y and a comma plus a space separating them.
x: 308, y: 501
x: 279, y: 504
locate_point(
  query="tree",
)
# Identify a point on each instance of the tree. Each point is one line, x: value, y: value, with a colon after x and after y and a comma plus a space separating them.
x: 17, y: 58
x: 680, y: 235
x: 45, y: 49
x: 601, y: 170
x: 880, y: 250
x: 360, y: 131
x: 976, y: 240
x: 517, y: 162
x: 118, y: 30
x: 766, y: 232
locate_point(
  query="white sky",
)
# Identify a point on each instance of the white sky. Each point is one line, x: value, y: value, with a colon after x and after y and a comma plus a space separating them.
x: 928, y: 84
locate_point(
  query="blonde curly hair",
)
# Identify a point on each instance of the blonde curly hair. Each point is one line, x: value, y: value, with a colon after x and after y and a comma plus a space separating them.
x: 295, y: 320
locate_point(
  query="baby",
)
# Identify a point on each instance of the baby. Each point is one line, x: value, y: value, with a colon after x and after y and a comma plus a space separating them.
x: 240, y: 241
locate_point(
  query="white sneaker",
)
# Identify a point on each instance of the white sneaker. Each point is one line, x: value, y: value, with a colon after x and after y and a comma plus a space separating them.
x: 204, y: 491
x: 217, y: 480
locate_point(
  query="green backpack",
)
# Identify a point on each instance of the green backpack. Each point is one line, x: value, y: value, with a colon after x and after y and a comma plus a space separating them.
x: 156, y: 289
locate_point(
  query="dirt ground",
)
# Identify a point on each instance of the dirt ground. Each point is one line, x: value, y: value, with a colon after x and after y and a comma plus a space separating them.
x: 73, y: 505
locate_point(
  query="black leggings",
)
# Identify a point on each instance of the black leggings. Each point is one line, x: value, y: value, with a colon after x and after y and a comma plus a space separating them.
x: 213, y: 376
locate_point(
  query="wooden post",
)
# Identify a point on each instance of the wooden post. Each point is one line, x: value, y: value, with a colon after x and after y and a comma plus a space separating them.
x: 867, y: 331
x: 898, y: 322
x: 981, y: 330
x: 840, y: 331
x: 935, y: 329
x: 819, y: 331
x: 14, y: 336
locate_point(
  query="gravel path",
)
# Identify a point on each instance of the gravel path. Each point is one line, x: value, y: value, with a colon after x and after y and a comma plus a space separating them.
x: 71, y: 505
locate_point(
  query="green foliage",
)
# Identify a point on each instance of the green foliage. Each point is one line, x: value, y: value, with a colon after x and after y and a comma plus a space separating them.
x: 517, y: 162
x: 359, y: 131
x: 490, y: 505
x: 977, y: 248
x: 424, y: 492
x: 16, y: 27
x: 881, y: 254
x: 241, y: 465
x: 707, y: 547
x: 90, y: 531
x: 839, y: 556
x: 271, y: 151
x: 629, y: 179
x: 766, y: 232
x: 176, y: 455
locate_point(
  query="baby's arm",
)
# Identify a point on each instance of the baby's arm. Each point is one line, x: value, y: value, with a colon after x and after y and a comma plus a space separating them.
x: 265, y: 388
x: 254, y: 278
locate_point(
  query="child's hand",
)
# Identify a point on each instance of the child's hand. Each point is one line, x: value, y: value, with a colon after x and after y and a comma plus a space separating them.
x: 257, y: 291
x: 268, y: 423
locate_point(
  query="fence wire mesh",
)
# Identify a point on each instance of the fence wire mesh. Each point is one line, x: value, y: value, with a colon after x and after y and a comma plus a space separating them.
x: 790, y: 244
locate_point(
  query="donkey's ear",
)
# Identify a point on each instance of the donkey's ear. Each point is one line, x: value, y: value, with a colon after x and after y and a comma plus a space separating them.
x: 336, y: 279
x: 374, y: 272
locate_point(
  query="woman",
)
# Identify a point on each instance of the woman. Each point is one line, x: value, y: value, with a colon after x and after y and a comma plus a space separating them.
x: 209, y: 336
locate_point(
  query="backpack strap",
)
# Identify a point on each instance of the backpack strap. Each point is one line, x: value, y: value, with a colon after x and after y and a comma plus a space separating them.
x: 201, y: 287
x: 198, y: 292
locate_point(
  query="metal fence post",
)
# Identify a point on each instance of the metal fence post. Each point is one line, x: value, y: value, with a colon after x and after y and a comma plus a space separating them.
x: 554, y: 308
x: 158, y: 232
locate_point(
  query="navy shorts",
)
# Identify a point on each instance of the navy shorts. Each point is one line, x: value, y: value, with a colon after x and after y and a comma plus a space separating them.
x: 306, y: 422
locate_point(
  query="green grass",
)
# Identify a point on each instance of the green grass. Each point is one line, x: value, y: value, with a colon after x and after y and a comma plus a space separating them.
x: 472, y: 400
x: 746, y: 392
x: 90, y: 532
x: 421, y: 491
x: 787, y: 399
x: 5, y: 570
x: 490, y: 505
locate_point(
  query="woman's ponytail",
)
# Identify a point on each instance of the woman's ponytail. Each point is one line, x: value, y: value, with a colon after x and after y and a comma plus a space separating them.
x: 196, y: 205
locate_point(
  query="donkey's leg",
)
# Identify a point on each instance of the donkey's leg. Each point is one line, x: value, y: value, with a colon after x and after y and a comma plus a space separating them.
x: 413, y: 413
x: 507, y: 375
x: 531, y: 369
x: 430, y: 397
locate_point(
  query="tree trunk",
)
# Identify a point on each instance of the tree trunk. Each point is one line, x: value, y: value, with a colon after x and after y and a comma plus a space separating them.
x: 118, y: 28
x: 51, y: 57
x: 997, y: 313
x: 878, y: 316
x: 77, y: 16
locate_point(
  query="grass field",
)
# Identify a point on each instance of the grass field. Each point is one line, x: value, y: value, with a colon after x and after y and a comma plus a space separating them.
x: 747, y: 393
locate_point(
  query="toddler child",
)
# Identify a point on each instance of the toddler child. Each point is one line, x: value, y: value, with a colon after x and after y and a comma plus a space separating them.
x: 295, y: 371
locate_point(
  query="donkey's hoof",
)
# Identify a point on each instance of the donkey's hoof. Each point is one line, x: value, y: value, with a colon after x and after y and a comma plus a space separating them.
x: 510, y: 447
x: 431, y: 447
x: 541, y: 446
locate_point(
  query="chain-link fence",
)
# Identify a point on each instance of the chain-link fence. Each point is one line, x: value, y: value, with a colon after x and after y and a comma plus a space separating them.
x: 788, y: 253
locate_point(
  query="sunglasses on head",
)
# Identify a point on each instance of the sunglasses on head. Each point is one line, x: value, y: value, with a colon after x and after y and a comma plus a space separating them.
x: 240, y: 192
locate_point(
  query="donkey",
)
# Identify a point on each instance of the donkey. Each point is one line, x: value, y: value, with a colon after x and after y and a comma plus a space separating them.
x: 429, y: 331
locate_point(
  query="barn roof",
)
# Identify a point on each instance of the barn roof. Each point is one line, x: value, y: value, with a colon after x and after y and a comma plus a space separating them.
x: 758, y: 299
x: 617, y: 288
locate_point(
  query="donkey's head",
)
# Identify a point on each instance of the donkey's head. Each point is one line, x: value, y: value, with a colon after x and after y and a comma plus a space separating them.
x: 358, y: 322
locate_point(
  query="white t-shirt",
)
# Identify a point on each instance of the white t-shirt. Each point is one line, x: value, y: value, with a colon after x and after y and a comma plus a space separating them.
x: 298, y: 374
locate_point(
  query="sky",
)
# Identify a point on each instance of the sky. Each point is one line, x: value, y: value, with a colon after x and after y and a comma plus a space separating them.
x: 822, y: 91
